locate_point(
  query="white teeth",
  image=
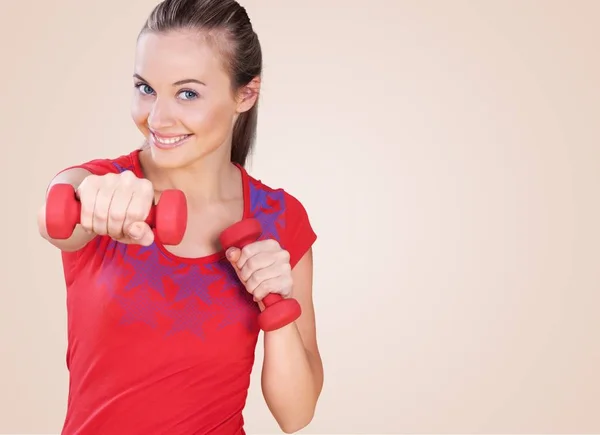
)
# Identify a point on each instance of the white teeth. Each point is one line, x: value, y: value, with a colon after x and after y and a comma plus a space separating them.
x: 169, y: 141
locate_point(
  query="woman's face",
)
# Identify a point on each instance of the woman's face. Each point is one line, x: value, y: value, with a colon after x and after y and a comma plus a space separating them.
x: 183, y: 101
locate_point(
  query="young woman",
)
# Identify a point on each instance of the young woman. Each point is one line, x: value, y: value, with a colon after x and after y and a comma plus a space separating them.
x: 161, y: 339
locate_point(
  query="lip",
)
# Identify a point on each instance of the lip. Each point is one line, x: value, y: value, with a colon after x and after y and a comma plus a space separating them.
x: 164, y: 146
x: 167, y: 136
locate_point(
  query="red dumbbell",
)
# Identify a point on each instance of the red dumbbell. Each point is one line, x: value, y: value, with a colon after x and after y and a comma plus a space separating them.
x: 278, y: 311
x: 169, y: 216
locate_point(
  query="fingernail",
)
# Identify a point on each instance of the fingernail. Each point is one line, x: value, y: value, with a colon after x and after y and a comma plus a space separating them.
x: 229, y: 252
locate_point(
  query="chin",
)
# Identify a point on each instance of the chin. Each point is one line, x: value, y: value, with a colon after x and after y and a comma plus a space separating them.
x: 178, y: 157
x: 170, y: 159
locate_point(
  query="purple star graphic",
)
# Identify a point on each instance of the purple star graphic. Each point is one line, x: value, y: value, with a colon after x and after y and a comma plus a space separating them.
x: 146, y: 268
x: 268, y: 208
x: 196, y: 280
x: 190, y: 317
x: 237, y: 304
x: 110, y: 271
x: 140, y: 306
x: 122, y: 168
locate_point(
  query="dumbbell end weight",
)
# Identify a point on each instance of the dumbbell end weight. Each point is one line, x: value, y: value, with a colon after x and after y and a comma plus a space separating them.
x: 63, y: 211
x: 169, y: 217
x: 278, y: 312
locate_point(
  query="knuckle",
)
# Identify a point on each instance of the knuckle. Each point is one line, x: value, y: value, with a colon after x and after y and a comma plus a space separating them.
x: 90, y: 180
x: 145, y: 185
x: 251, y: 264
x: 127, y: 178
x: 262, y: 289
x: 133, y: 215
x: 269, y: 287
x: 257, y: 279
x: 114, y: 231
x: 286, y: 267
x: 116, y: 215
x: 86, y: 211
x: 109, y: 178
x: 89, y: 184
x: 259, y: 276
x: 100, y: 217
x: 248, y: 251
x: 99, y: 222
x: 285, y: 254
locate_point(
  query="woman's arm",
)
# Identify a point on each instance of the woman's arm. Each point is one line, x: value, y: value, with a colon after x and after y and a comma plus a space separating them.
x: 79, y: 238
x: 292, y: 373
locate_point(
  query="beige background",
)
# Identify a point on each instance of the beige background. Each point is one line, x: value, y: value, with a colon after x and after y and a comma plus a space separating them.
x: 448, y: 155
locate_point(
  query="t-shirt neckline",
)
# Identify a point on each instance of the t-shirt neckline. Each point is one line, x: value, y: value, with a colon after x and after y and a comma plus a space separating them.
x: 210, y: 258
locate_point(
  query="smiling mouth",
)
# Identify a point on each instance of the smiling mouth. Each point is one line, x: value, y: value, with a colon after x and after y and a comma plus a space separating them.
x: 169, y: 142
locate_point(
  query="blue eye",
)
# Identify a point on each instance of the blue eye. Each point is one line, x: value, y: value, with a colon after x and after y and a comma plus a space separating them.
x: 188, y: 95
x: 144, y: 88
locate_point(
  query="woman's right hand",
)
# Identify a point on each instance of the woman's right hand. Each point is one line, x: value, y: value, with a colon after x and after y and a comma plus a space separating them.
x: 116, y: 205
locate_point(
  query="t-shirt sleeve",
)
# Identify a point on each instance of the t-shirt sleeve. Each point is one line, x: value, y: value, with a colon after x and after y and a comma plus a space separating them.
x: 72, y: 260
x: 299, y: 233
x: 103, y: 166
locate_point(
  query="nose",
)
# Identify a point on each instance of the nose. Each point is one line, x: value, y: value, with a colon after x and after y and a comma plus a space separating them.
x: 161, y: 115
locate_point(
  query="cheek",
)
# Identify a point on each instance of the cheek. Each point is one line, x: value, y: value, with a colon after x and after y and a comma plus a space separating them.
x: 212, y: 124
x: 139, y: 114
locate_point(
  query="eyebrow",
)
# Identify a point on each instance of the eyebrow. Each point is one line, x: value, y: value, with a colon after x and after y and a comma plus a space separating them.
x: 178, y: 83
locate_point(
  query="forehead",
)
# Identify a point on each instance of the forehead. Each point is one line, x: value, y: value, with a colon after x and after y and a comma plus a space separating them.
x: 176, y: 55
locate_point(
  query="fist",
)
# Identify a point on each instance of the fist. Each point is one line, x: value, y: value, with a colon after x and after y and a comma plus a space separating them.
x: 116, y: 205
x: 263, y: 267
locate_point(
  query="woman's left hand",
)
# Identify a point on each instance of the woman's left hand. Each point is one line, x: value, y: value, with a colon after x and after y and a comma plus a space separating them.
x: 263, y: 267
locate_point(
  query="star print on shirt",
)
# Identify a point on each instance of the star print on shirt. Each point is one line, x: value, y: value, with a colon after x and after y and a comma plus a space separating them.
x: 196, y: 280
x: 190, y: 316
x: 147, y: 265
x: 268, y: 208
x: 237, y: 304
x: 141, y: 306
x: 122, y: 168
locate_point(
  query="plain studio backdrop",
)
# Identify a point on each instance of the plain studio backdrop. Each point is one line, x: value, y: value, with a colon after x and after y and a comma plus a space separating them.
x: 448, y: 155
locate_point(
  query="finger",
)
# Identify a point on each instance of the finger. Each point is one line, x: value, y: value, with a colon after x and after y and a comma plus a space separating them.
x: 233, y: 255
x: 139, y: 233
x: 101, y: 209
x: 118, y: 211
x: 148, y: 236
x: 259, y: 261
x: 280, y: 285
x: 252, y: 249
x: 141, y: 202
x: 262, y: 275
x: 86, y: 193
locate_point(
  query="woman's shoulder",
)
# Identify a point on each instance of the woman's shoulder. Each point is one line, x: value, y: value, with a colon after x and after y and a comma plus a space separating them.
x: 111, y: 164
x: 267, y: 198
x: 283, y: 216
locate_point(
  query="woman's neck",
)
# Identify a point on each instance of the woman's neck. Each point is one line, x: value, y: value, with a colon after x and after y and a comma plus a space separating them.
x: 206, y: 181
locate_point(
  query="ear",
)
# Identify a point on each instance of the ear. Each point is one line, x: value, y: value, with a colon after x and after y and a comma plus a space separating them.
x: 248, y: 95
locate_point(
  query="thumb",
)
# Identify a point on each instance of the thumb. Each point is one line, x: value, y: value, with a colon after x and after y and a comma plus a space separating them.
x: 141, y: 233
x: 233, y: 255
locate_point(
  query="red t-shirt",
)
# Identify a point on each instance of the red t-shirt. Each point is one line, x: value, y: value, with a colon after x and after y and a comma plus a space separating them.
x: 159, y: 344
